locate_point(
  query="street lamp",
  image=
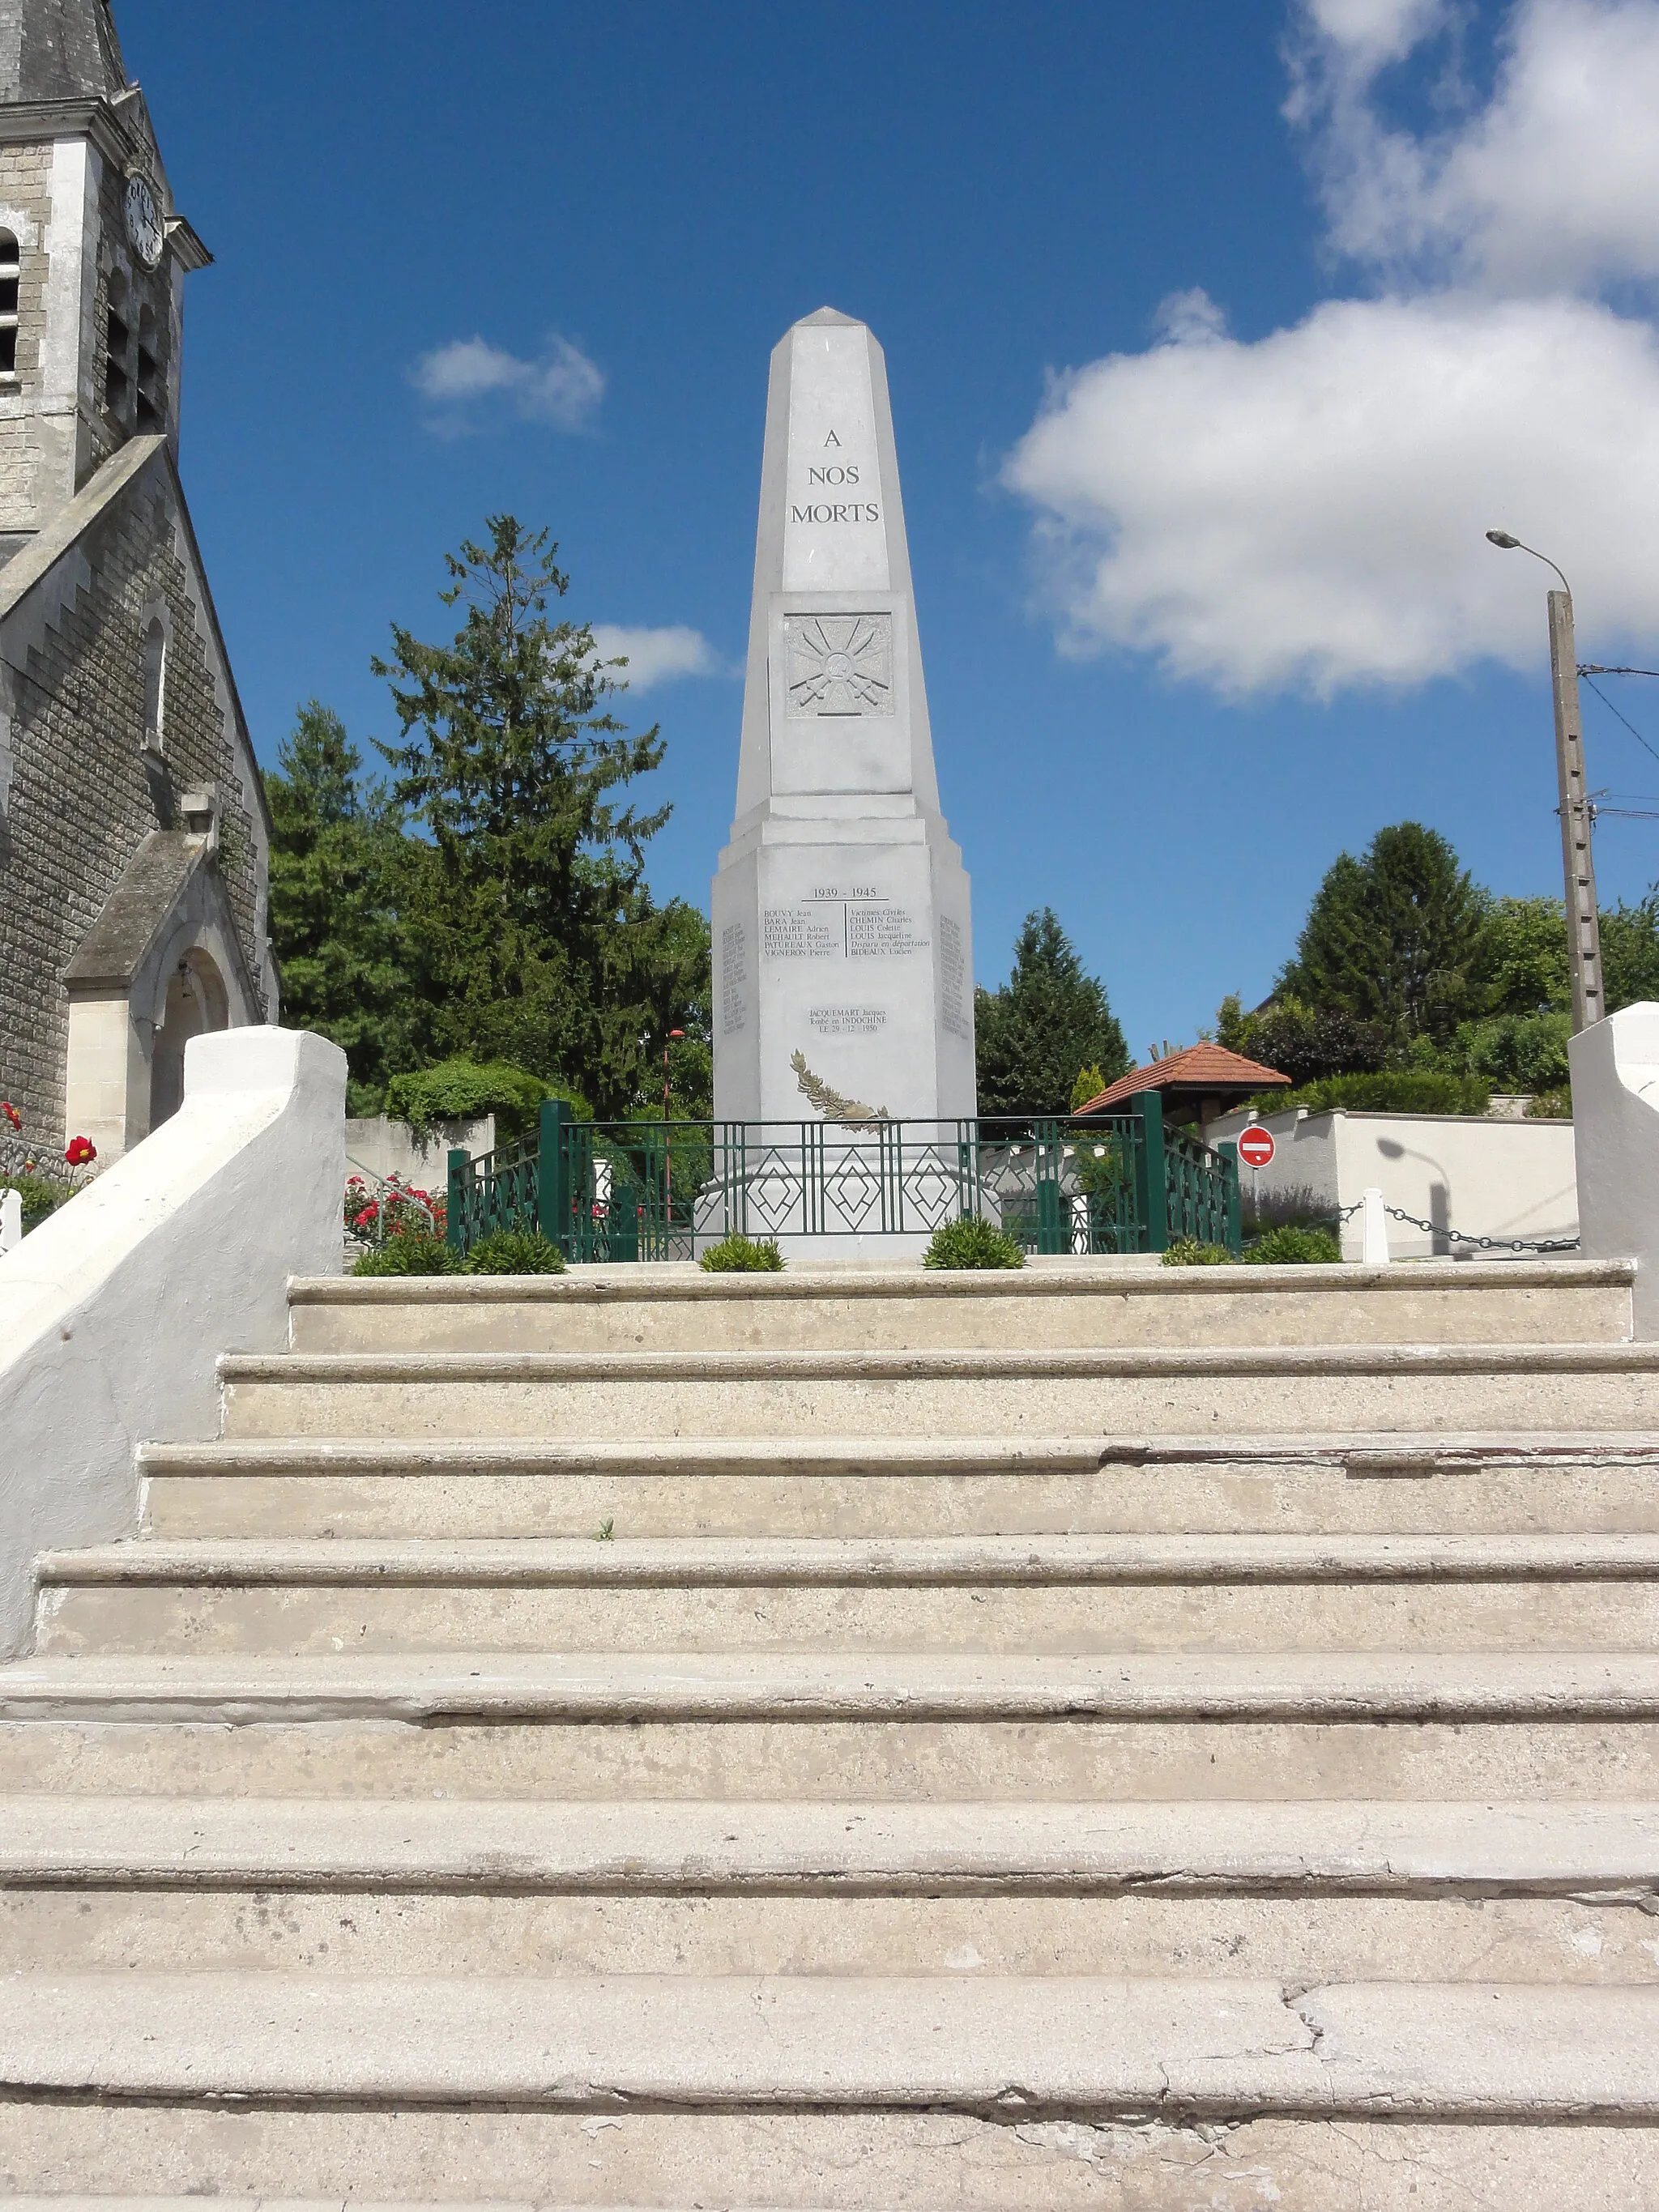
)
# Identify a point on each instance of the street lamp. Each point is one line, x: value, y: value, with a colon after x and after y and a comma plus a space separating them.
x: 1578, y: 862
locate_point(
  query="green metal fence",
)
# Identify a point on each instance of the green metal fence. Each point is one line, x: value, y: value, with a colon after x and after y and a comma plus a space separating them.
x: 663, y: 1190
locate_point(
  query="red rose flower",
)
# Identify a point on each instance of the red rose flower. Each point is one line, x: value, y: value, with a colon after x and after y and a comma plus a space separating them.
x: 79, y: 1151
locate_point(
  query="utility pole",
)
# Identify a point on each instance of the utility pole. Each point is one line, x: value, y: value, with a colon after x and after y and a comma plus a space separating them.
x: 1577, y: 861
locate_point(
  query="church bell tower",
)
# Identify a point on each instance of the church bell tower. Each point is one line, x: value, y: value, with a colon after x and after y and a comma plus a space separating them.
x: 93, y: 258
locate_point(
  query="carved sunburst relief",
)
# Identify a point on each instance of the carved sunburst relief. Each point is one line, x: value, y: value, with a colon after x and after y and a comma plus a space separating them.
x: 840, y: 664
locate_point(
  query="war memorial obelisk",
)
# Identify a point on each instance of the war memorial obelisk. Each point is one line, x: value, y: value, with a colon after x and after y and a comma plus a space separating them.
x: 843, y: 955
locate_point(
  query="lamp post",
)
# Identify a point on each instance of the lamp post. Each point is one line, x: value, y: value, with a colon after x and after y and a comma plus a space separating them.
x: 1577, y: 861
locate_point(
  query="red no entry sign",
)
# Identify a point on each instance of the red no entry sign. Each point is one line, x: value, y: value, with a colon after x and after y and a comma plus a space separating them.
x: 1256, y: 1146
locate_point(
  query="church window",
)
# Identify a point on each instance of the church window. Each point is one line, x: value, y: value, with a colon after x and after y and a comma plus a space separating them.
x: 150, y: 415
x: 10, y: 272
x: 117, y: 375
x: 155, y: 682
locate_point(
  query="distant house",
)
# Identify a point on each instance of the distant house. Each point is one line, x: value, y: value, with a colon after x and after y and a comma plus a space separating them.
x: 133, y: 831
x: 1198, y: 1085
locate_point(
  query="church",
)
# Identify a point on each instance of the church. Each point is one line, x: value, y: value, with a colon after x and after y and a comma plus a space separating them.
x: 133, y: 830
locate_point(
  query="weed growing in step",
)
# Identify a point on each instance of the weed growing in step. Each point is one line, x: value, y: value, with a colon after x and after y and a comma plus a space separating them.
x: 972, y: 1242
x: 415, y: 1252
x: 1188, y: 1252
x: 743, y: 1256
x: 515, y: 1252
x: 605, y: 1533
x: 1291, y: 1246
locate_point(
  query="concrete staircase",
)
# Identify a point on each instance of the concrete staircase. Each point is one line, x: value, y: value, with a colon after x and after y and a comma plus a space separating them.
x: 1102, y: 1736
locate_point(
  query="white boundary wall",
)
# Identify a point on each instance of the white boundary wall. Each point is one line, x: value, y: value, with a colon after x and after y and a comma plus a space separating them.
x: 1485, y: 1178
x: 1615, y: 1091
x: 392, y: 1148
x: 113, y: 1312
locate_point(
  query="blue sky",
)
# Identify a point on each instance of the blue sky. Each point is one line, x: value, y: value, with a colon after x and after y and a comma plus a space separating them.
x: 1202, y: 405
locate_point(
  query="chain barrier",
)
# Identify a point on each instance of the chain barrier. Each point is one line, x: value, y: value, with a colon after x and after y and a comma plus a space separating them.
x: 1486, y: 1243
x: 1456, y: 1235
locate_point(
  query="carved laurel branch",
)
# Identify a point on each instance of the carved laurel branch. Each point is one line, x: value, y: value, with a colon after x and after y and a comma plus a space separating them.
x: 829, y: 1102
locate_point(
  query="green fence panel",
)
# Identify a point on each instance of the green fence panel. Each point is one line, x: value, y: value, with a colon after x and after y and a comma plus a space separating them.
x: 614, y: 1191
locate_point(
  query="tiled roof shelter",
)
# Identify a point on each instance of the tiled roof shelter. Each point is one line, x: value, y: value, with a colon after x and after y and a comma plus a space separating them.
x: 1200, y: 1082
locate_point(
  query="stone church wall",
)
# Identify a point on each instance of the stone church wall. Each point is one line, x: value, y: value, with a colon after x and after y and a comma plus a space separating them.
x: 25, y: 210
x: 80, y: 798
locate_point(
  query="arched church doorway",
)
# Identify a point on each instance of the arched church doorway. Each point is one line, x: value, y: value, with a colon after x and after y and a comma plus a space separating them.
x: 197, y: 1001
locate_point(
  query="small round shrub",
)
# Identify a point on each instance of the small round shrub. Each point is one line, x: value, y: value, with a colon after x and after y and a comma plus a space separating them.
x: 1552, y: 1105
x: 743, y: 1256
x: 972, y: 1242
x: 1188, y: 1252
x: 415, y: 1253
x: 1292, y: 1246
x: 515, y: 1252
x: 40, y: 1196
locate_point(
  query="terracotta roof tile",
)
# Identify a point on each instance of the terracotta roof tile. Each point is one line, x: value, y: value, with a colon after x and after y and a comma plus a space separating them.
x: 1199, y: 1067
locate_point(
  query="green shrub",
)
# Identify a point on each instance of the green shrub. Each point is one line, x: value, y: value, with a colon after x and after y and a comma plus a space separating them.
x: 971, y: 1241
x: 415, y: 1253
x: 1396, y: 1091
x: 1298, y: 1202
x: 463, y: 1090
x: 1552, y: 1105
x: 515, y: 1252
x: 1516, y: 1052
x: 1290, y: 1246
x: 40, y: 1196
x: 1188, y: 1252
x: 742, y: 1255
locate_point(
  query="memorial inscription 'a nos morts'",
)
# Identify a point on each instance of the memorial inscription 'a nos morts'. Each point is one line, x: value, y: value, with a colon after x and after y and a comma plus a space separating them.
x: 842, y: 926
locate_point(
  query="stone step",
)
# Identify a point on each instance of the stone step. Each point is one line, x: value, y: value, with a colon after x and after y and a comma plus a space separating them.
x: 1280, y: 1756
x: 252, y: 2156
x: 678, y: 1308
x: 1044, y: 2045
x: 366, y: 1487
x: 1307, y: 1893
x: 1608, y: 1850
x: 784, y: 1725
x: 1146, y: 1391
x: 1048, y: 1592
x: 1290, y: 1938
x: 508, y: 1686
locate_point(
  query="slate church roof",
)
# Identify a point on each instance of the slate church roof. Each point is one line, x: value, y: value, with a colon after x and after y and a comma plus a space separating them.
x: 52, y: 49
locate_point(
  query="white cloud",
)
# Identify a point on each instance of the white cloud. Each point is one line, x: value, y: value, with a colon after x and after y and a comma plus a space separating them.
x: 657, y: 656
x: 562, y: 385
x: 1371, y: 33
x: 1554, y: 183
x: 1307, y: 510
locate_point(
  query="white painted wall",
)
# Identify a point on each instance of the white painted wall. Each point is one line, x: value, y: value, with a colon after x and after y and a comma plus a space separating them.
x: 114, y: 1310
x: 1486, y: 1178
x: 1616, y: 1098
x: 389, y: 1148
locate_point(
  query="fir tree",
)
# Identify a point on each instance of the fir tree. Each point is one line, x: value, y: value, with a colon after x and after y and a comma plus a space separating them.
x: 1390, y: 937
x: 341, y: 876
x: 1045, y: 1024
x: 541, y: 942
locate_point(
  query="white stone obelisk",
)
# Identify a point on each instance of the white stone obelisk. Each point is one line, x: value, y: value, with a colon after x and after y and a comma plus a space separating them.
x: 842, y: 945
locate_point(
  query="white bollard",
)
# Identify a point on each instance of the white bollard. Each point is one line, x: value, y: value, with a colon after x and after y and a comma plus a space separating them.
x: 1373, y: 1230
x: 11, y: 1220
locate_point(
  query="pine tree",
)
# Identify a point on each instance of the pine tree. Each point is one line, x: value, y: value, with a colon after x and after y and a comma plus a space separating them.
x: 1390, y: 937
x: 541, y: 941
x: 340, y: 874
x: 1045, y: 1024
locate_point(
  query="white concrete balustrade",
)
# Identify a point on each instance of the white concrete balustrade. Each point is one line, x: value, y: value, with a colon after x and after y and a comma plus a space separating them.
x: 113, y: 1311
